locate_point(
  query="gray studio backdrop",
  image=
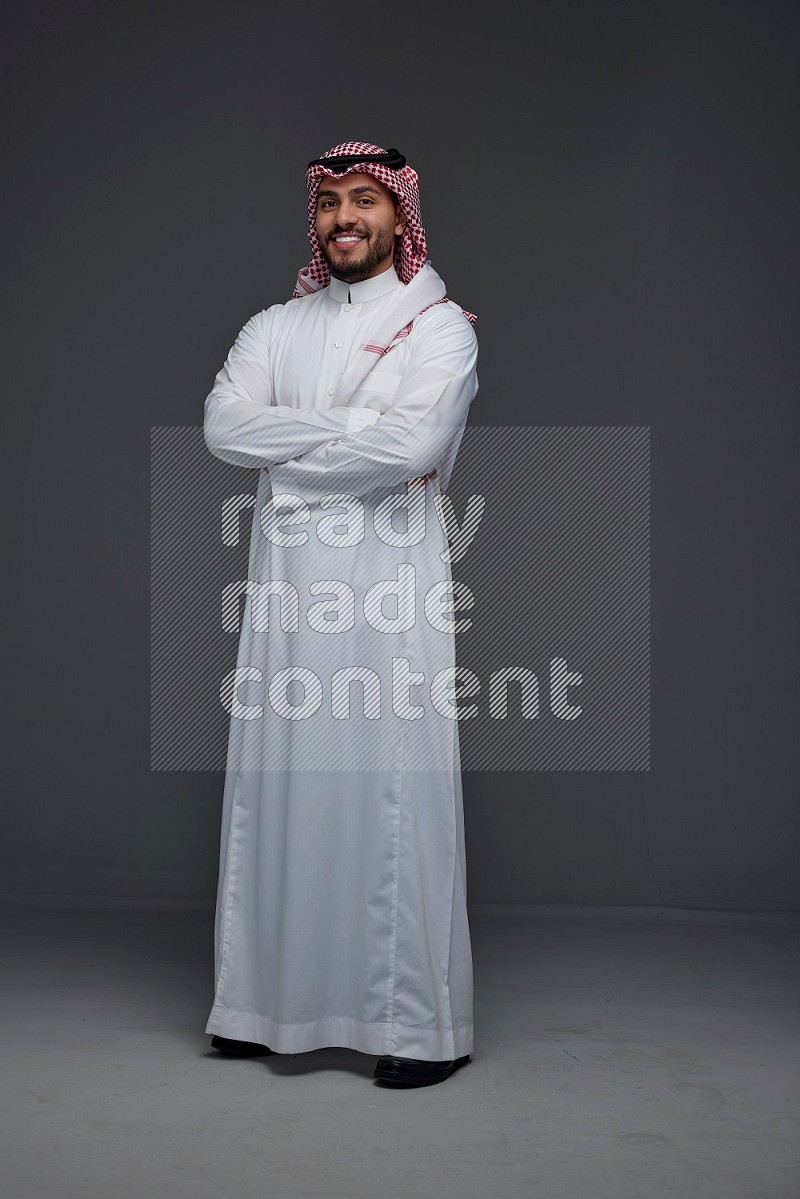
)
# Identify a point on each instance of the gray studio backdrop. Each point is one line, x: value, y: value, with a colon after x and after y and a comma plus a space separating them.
x: 612, y: 188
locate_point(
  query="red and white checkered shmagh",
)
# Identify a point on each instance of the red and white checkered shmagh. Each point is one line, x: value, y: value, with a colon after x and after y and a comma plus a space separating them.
x: 411, y: 249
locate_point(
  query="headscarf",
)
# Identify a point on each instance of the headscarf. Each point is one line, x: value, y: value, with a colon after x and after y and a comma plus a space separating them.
x: 411, y: 250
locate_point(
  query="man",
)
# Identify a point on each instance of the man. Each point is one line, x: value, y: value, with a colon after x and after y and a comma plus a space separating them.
x: 341, y: 909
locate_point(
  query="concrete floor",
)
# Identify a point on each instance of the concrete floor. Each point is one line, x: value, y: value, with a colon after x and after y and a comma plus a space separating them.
x: 620, y: 1054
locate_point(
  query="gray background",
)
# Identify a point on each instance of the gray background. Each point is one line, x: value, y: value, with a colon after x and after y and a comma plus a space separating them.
x: 610, y: 186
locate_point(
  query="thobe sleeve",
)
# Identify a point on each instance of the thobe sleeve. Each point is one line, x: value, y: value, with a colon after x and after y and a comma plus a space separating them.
x: 244, y: 425
x: 445, y: 469
x: 415, y: 435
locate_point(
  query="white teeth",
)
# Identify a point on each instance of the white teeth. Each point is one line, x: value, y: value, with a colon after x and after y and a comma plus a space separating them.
x: 346, y: 239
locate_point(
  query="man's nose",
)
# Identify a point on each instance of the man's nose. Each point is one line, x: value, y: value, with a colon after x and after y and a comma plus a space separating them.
x: 348, y: 213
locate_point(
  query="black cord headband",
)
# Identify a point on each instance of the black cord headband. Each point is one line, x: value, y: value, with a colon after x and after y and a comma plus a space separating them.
x: 392, y: 159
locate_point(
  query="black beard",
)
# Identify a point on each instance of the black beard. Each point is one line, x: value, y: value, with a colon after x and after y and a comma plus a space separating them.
x: 378, y: 250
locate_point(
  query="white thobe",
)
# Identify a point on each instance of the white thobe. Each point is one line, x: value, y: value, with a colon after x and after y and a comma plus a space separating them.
x: 341, y: 908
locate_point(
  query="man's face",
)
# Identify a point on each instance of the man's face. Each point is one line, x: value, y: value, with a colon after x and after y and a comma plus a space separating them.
x: 357, y: 206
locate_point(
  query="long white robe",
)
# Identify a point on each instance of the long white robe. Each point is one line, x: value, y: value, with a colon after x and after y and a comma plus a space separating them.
x: 341, y: 909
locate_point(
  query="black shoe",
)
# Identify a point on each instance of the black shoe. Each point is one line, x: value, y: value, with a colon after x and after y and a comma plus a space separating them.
x: 413, y: 1072
x: 239, y: 1048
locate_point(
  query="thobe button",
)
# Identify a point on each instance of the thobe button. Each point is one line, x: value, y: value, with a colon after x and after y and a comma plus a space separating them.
x: 337, y: 345
x: 331, y: 391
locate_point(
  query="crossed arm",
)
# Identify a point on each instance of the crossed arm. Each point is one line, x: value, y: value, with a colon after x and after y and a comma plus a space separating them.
x: 243, y: 426
x: 319, y: 451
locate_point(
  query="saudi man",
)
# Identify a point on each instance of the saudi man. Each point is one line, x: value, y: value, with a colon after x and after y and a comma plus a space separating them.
x: 341, y: 909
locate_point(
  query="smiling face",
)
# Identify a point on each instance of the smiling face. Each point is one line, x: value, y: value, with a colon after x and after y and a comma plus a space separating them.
x: 358, y: 219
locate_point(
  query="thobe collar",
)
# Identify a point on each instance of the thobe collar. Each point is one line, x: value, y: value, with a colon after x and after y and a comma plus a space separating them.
x: 366, y: 289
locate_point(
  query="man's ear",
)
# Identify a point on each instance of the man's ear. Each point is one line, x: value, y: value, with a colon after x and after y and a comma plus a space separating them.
x: 400, y: 220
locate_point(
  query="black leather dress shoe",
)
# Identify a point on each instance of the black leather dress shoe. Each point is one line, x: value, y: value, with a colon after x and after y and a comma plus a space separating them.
x: 239, y: 1048
x: 413, y: 1072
